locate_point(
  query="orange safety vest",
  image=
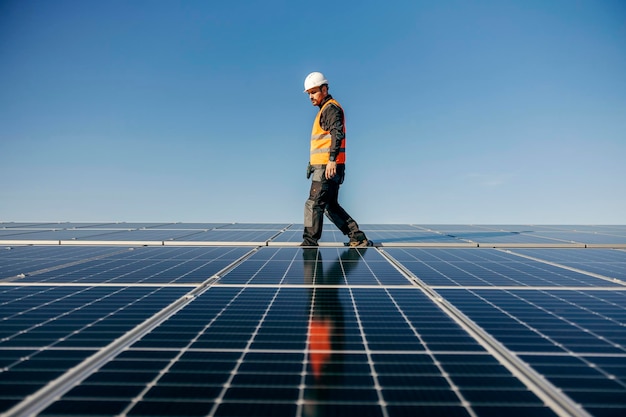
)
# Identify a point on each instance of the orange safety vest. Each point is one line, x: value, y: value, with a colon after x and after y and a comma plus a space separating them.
x: 321, y: 141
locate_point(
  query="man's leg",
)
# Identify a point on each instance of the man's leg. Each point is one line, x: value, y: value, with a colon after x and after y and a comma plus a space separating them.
x: 314, y: 210
x: 341, y: 218
x: 347, y: 225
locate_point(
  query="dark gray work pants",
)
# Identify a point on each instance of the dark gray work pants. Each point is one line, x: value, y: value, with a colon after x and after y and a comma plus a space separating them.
x: 322, y: 200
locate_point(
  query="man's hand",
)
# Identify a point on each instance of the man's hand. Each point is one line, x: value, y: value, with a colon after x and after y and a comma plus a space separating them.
x: 331, y: 169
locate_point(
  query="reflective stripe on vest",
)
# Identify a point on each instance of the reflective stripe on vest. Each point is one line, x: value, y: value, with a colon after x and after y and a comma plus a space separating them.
x: 321, y: 141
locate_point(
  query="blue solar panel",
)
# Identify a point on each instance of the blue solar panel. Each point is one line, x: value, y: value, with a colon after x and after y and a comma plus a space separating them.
x: 217, y: 319
x: 607, y: 262
x: 326, y: 349
x: 487, y: 267
x: 145, y: 266
x: 339, y: 266
x: 55, y: 328
x: 560, y: 334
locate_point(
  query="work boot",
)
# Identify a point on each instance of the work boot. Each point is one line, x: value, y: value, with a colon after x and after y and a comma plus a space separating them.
x: 359, y: 240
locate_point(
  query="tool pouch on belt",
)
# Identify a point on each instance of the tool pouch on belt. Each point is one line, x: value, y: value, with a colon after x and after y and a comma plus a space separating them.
x: 309, y: 170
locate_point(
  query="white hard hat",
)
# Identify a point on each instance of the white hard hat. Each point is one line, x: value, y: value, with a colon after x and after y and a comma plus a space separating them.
x: 314, y: 79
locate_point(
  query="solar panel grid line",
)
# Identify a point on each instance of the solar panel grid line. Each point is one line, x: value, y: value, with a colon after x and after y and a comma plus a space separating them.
x: 560, y: 403
x: 569, y: 268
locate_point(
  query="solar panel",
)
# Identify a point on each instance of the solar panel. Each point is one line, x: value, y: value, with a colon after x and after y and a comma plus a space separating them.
x: 55, y: 328
x: 127, y: 265
x: 488, y: 267
x: 25, y: 260
x: 301, y: 350
x: 561, y: 334
x: 216, y: 319
x: 606, y: 262
x: 258, y: 236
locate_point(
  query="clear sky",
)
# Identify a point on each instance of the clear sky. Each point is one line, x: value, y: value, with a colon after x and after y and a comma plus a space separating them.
x: 494, y: 112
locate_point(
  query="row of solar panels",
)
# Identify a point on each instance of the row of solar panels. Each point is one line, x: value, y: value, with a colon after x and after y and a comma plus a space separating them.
x: 291, y: 234
x: 283, y: 331
x: 436, y: 267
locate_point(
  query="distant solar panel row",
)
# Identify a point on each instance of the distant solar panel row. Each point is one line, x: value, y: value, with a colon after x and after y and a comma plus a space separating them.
x: 283, y: 233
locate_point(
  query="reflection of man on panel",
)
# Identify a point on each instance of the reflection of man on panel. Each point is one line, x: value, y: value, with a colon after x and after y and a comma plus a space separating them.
x: 326, y: 323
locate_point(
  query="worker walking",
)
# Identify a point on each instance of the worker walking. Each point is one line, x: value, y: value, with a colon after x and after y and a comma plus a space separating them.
x: 327, y: 167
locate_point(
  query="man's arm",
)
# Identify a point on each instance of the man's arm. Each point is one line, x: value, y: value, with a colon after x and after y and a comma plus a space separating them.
x: 332, y: 120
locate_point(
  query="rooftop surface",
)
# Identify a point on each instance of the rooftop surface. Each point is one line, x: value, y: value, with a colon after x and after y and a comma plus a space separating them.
x: 235, y: 319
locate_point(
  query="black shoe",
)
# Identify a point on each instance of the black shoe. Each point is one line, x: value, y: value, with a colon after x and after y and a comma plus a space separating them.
x: 359, y: 243
x: 305, y: 243
x: 358, y: 240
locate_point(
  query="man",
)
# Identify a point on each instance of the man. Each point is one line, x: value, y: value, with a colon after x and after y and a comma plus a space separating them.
x: 327, y: 167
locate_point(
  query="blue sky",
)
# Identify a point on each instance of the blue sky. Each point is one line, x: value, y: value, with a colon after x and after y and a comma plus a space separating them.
x: 493, y: 112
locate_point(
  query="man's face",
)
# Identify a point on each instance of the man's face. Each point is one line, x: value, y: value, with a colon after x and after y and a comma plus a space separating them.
x: 317, y: 94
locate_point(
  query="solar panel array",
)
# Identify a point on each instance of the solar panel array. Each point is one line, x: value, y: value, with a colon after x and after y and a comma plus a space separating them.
x: 220, y: 319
